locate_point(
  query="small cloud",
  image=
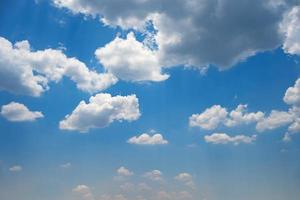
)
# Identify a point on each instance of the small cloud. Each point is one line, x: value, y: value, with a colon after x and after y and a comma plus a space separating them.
x: 17, y: 112
x: 154, y: 175
x: 122, y: 171
x: 146, y: 139
x: 223, y: 138
x: 84, y: 192
x: 185, y: 178
x: 16, y: 168
x: 66, y: 165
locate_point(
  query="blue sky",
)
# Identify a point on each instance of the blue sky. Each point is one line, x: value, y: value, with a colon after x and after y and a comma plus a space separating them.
x: 153, y: 89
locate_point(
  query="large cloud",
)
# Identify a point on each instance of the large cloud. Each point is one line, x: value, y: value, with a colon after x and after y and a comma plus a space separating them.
x: 195, y: 33
x: 17, y: 112
x: 101, y: 110
x: 23, y: 71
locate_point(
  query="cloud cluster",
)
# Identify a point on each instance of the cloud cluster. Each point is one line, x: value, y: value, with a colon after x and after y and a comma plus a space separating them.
x: 146, y: 139
x: 28, y: 72
x: 213, y: 117
x: 217, y: 116
x: 219, y: 33
x: 223, y: 138
x: 17, y: 112
x: 101, y: 110
x: 151, y: 185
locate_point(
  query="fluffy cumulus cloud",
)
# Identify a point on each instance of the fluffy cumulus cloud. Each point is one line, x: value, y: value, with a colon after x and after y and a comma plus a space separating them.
x: 101, y: 110
x: 292, y: 94
x: 186, y: 178
x: 146, y: 139
x: 223, y: 138
x: 216, y: 115
x: 275, y: 120
x: 210, y: 118
x: 122, y: 171
x: 84, y: 192
x: 27, y: 72
x: 130, y: 60
x: 241, y: 116
x: 16, y: 168
x: 17, y: 112
x: 207, y: 32
x: 291, y: 29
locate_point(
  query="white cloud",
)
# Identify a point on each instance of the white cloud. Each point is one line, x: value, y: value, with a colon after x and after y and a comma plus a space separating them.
x: 84, y: 191
x: 17, y: 112
x: 186, y: 178
x: 291, y: 30
x: 210, y: 118
x: 292, y: 94
x: 122, y: 171
x: 223, y: 138
x: 146, y: 139
x: 130, y: 60
x: 241, y: 116
x: 275, y: 120
x: 16, y: 168
x: 216, y: 115
x: 101, y: 110
x: 27, y: 72
x: 154, y: 175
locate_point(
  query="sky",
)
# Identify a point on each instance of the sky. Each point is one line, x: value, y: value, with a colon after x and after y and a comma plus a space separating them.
x: 149, y: 100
